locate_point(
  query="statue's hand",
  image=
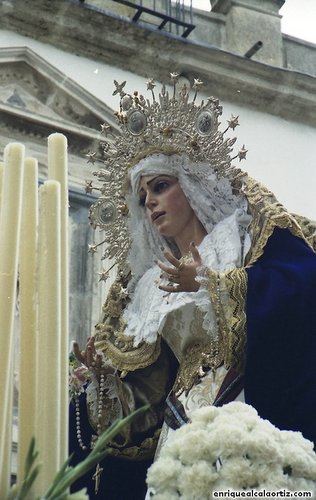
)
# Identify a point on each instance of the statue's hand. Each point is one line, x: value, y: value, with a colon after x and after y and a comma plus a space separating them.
x: 92, y: 358
x: 182, y: 274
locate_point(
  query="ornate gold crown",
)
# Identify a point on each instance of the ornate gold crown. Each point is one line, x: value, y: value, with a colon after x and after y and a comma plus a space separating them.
x: 170, y: 125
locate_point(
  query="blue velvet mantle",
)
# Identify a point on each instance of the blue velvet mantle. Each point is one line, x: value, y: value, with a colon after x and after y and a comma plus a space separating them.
x: 280, y: 373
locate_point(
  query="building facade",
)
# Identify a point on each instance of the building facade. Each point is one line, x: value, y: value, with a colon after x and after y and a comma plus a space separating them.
x: 58, y: 60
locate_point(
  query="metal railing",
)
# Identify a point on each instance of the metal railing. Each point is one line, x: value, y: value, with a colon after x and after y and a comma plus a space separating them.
x: 164, y: 15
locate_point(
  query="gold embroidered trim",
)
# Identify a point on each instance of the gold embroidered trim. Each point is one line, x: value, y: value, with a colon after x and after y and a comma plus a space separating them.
x: 216, y: 287
x: 198, y: 359
x: 267, y: 214
x: 144, y: 451
x: 110, y: 338
x: 123, y: 355
x: 227, y: 345
x: 237, y: 282
x: 228, y: 296
x: 309, y: 229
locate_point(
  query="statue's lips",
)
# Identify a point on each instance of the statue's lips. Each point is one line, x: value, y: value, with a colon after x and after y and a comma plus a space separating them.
x: 156, y: 216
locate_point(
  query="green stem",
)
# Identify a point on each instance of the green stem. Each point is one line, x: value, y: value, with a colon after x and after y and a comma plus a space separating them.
x: 97, y: 454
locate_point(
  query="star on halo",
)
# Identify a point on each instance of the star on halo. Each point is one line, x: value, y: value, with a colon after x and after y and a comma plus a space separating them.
x: 106, y: 129
x: 242, y: 153
x: 119, y: 88
x: 92, y: 249
x: 103, y: 275
x: 151, y: 84
x: 91, y: 157
x: 88, y: 187
x: 233, y: 122
x: 124, y: 293
x: 174, y: 77
x: 197, y: 84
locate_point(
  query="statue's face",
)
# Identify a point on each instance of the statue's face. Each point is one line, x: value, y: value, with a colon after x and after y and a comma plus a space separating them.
x: 166, y: 205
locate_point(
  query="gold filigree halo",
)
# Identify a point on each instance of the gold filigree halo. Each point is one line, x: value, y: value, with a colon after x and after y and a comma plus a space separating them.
x: 170, y: 125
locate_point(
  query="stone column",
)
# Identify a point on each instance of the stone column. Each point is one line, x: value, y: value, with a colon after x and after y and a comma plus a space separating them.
x: 252, y: 21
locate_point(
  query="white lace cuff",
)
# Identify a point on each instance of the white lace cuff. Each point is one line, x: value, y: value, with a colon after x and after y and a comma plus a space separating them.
x: 202, y: 296
x: 201, y: 276
x: 117, y: 400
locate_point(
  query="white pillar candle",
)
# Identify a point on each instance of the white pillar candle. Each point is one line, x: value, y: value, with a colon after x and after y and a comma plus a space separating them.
x: 28, y: 312
x: 1, y: 179
x: 49, y: 365
x: 58, y: 170
x: 8, y: 442
x: 10, y: 217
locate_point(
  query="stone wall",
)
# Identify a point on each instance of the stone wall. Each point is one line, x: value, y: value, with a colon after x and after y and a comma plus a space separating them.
x: 299, y: 55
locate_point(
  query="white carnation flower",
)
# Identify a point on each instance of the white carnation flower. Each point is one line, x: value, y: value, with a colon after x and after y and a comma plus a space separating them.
x: 164, y: 472
x: 231, y: 447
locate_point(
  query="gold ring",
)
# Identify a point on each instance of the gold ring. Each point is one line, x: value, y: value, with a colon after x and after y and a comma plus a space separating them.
x: 180, y: 266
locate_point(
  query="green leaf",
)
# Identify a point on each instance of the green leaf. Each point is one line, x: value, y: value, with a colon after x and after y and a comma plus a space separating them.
x: 27, y: 482
x: 67, y: 475
x: 31, y: 456
x: 59, y: 476
x: 30, y: 473
x: 79, y: 495
x: 97, y: 454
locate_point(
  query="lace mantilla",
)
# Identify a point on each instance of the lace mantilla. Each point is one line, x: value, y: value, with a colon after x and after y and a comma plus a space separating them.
x: 216, y: 202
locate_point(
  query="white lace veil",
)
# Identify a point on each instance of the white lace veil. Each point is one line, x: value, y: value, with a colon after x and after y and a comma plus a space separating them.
x: 211, y: 198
